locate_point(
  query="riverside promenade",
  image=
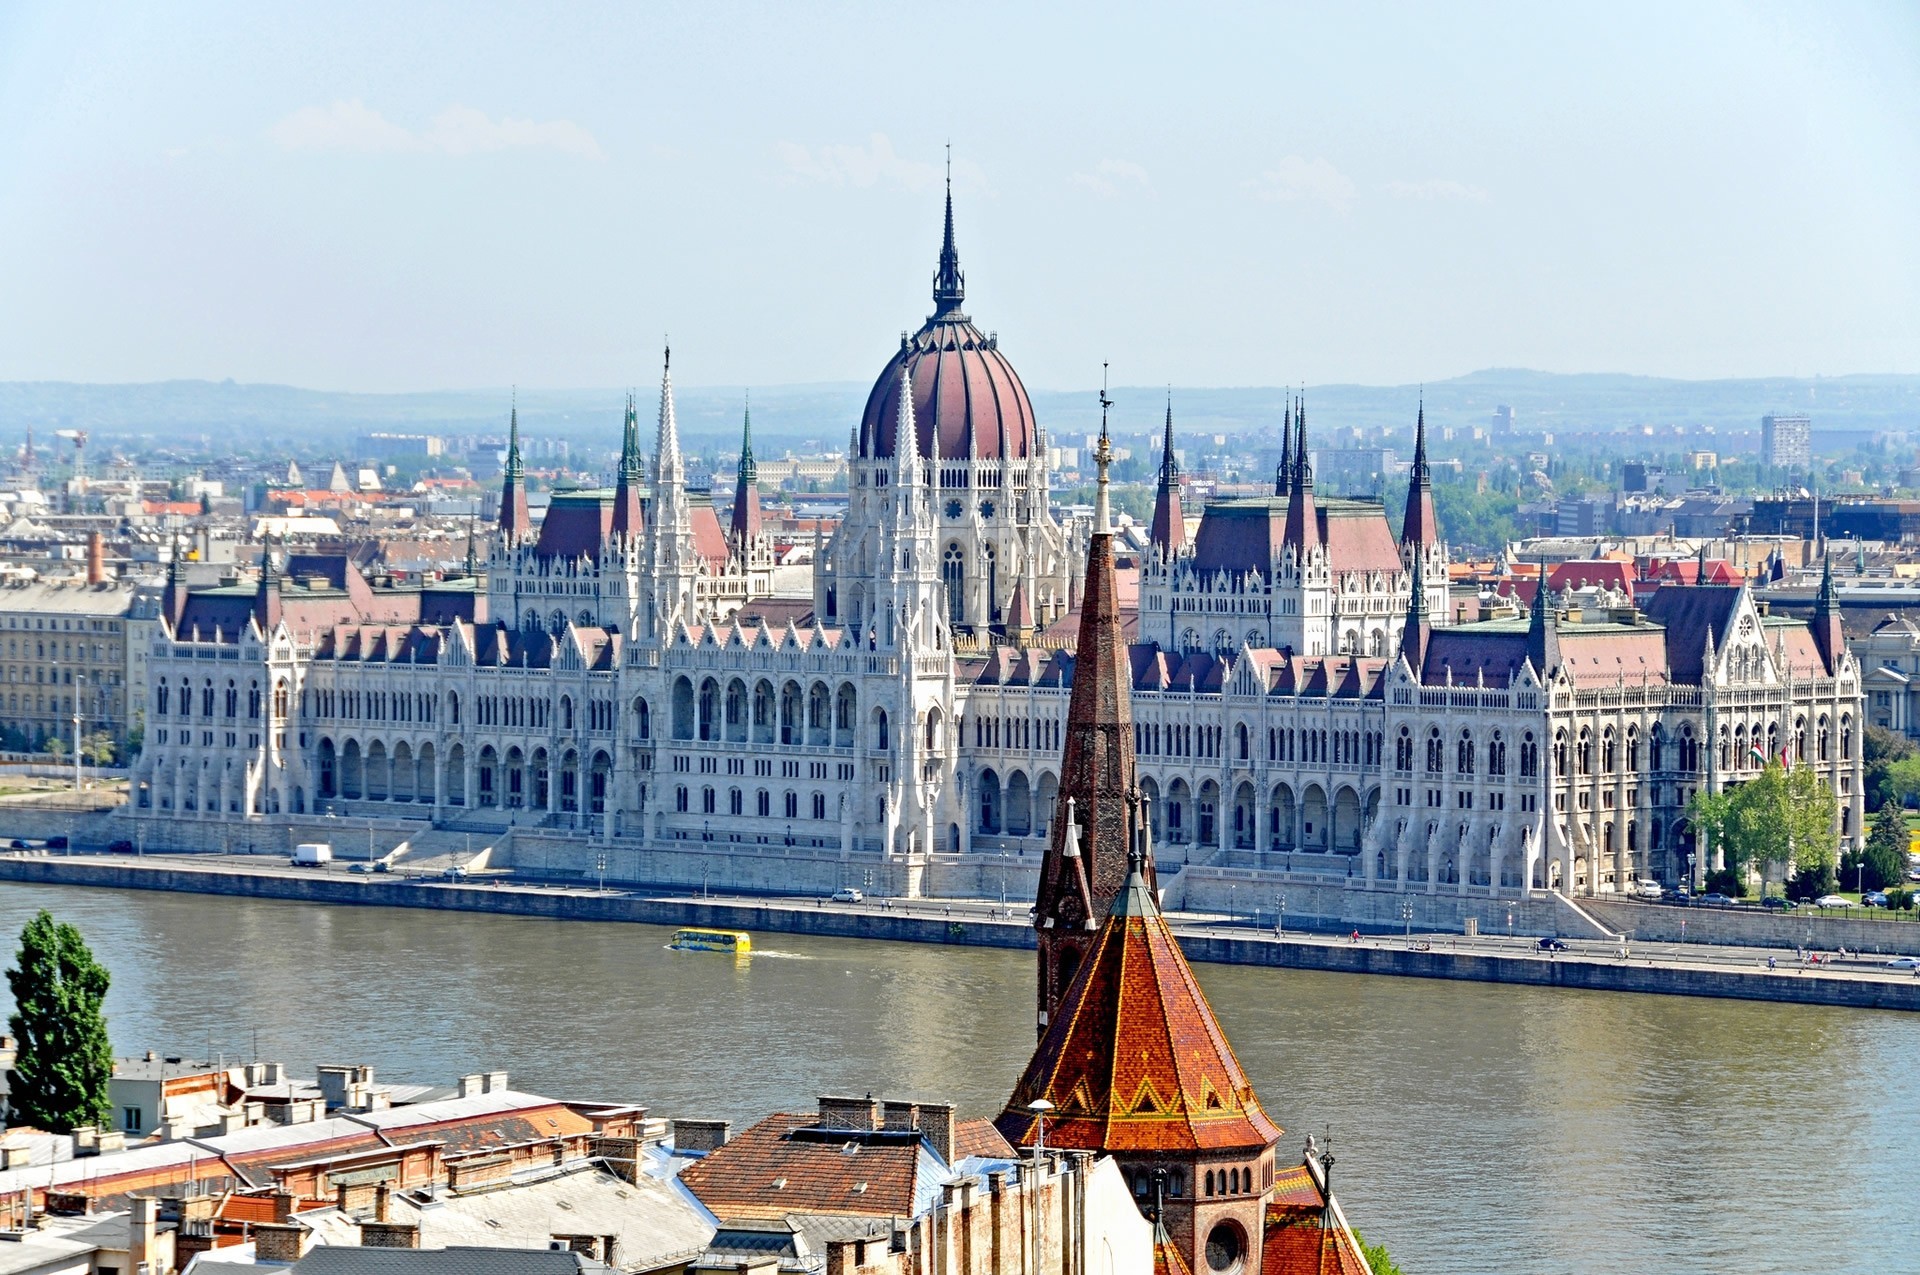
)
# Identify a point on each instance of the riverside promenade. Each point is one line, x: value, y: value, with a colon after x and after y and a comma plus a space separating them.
x: 1671, y: 968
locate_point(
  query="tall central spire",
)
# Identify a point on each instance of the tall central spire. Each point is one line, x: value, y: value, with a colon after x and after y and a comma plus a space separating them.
x: 1100, y: 819
x: 949, y: 285
x: 1303, y: 522
x: 746, y: 488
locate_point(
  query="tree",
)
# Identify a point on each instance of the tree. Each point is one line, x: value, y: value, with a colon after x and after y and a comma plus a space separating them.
x: 56, y: 747
x: 1880, y: 748
x: 64, y: 1058
x: 1708, y: 814
x: 98, y: 748
x: 1379, y: 1262
x: 1778, y: 819
x: 1898, y: 782
x: 1886, y: 850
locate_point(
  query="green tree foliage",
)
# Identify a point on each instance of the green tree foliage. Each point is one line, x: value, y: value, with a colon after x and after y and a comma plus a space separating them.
x: 64, y: 1059
x: 1899, y: 782
x: 1777, y: 820
x: 1886, y: 851
x: 98, y: 748
x: 1880, y: 749
x: 56, y: 747
x: 1379, y: 1262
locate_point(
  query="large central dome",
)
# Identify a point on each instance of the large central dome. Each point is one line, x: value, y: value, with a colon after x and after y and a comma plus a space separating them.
x: 967, y: 399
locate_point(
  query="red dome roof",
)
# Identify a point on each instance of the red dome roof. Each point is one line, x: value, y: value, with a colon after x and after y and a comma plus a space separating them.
x: 967, y: 399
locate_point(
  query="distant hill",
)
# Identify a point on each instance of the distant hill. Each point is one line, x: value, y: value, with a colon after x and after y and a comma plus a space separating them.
x: 814, y: 417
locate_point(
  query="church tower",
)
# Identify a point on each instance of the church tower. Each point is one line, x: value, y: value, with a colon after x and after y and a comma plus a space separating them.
x: 1099, y: 816
x: 1169, y: 534
x: 671, y: 566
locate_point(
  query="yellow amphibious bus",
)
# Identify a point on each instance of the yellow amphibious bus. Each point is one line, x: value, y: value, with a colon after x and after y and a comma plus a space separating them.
x: 737, y: 941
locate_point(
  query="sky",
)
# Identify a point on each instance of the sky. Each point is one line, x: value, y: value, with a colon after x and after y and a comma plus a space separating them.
x: 380, y: 197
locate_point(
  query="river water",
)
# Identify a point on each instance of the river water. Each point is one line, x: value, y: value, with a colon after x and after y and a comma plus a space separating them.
x: 1477, y: 1128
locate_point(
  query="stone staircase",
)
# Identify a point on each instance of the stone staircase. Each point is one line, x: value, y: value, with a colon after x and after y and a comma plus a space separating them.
x: 437, y: 849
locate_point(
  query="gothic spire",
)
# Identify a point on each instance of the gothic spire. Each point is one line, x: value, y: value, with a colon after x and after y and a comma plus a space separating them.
x: 1420, y: 526
x: 514, y: 522
x: 1543, y: 637
x: 1303, y: 523
x: 1828, y: 634
x: 626, y: 494
x: 949, y: 284
x: 1169, y: 534
x: 1414, y: 638
x: 746, y: 488
x: 1283, y: 476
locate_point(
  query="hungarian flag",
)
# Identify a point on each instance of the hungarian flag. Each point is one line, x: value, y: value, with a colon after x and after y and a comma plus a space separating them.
x: 1759, y: 758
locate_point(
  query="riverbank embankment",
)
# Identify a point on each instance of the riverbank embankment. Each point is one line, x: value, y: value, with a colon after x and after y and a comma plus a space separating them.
x: 1672, y: 969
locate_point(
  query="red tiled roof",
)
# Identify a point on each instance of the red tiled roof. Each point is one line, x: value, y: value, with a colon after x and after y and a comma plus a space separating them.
x: 1134, y: 1060
x: 766, y: 1173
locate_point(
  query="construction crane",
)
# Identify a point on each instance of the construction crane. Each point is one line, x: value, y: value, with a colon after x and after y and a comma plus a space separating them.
x: 79, y: 437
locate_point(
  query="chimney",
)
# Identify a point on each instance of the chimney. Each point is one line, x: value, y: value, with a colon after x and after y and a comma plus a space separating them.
x: 899, y: 1115
x: 382, y: 1201
x: 142, y: 1231
x: 494, y: 1082
x: 849, y: 1113
x: 470, y: 1086
x: 282, y: 1243
x: 283, y: 1206
x: 936, y: 1125
x: 96, y: 569
x: 390, y: 1235
x: 701, y: 1135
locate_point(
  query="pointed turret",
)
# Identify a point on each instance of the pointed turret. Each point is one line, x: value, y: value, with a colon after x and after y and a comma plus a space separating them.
x: 175, y: 598
x: 266, y: 599
x: 513, y: 492
x: 626, y: 492
x: 1169, y: 534
x: 1543, y: 630
x: 671, y: 565
x: 1419, y: 526
x: 1419, y: 630
x: 1136, y: 1066
x: 1098, y: 820
x: 1828, y: 634
x: 1303, y: 524
x: 745, y: 526
x: 1283, y: 476
x: 949, y: 284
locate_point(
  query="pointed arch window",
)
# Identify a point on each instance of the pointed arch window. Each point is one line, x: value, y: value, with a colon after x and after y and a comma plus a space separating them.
x: 953, y: 577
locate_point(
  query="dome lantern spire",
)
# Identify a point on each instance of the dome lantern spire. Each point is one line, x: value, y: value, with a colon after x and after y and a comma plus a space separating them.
x: 949, y: 284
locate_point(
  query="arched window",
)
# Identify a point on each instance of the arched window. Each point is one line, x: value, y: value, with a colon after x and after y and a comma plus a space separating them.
x: 1464, y: 754
x: 1497, y: 755
x: 1240, y: 736
x: 642, y: 719
x: 1403, y: 750
x: 953, y: 577
x: 1529, y: 757
x: 1435, y: 752
x: 880, y: 736
x: 1607, y: 751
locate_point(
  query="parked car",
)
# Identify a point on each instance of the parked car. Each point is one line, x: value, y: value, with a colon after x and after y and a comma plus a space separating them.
x: 1834, y: 901
x: 1680, y: 896
x: 1552, y: 945
x: 1874, y: 898
x: 361, y: 865
x: 1778, y: 903
x: 20, y: 843
x: 1715, y: 899
x: 1904, y: 963
x: 1646, y: 888
x: 847, y: 894
x: 455, y: 873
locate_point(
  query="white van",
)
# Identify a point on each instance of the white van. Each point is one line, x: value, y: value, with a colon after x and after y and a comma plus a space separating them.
x: 312, y: 854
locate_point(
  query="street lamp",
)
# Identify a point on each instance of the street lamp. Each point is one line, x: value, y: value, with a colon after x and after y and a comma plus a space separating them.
x: 1280, y: 913
x: 1406, y: 915
x: 600, y: 866
x: 1232, y: 914
x: 1039, y: 1107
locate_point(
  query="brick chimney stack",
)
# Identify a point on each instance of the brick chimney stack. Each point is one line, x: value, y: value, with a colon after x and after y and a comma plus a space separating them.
x: 96, y: 559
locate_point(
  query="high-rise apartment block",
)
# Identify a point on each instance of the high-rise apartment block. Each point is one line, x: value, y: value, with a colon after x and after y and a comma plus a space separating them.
x: 1786, y: 442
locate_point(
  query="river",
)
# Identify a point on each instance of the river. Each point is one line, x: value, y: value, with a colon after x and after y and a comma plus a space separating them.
x: 1477, y: 1128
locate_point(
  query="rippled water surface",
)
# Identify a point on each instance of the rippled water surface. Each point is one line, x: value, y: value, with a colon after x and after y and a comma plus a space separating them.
x: 1477, y: 1128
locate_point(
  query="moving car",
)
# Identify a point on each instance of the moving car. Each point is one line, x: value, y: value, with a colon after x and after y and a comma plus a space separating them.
x: 1679, y: 895
x: 1834, y: 901
x: 1716, y: 899
x: 1874, y: 899
x: 847, y: 894
x: 1552, y: 945
x: 1904, y: 963
x: 312, y: 854
x: 1646, y: 888
x: 1778, y: 903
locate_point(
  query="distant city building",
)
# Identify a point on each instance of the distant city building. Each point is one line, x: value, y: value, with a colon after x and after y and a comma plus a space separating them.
x: 402, y: 446
x: 68, y: 644
x: 1583, y: 516
x: 1502, y: 420
x: 1786, y: 442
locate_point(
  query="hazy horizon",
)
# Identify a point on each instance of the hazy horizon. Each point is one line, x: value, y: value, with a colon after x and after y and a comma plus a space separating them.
x: 383, y: 200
